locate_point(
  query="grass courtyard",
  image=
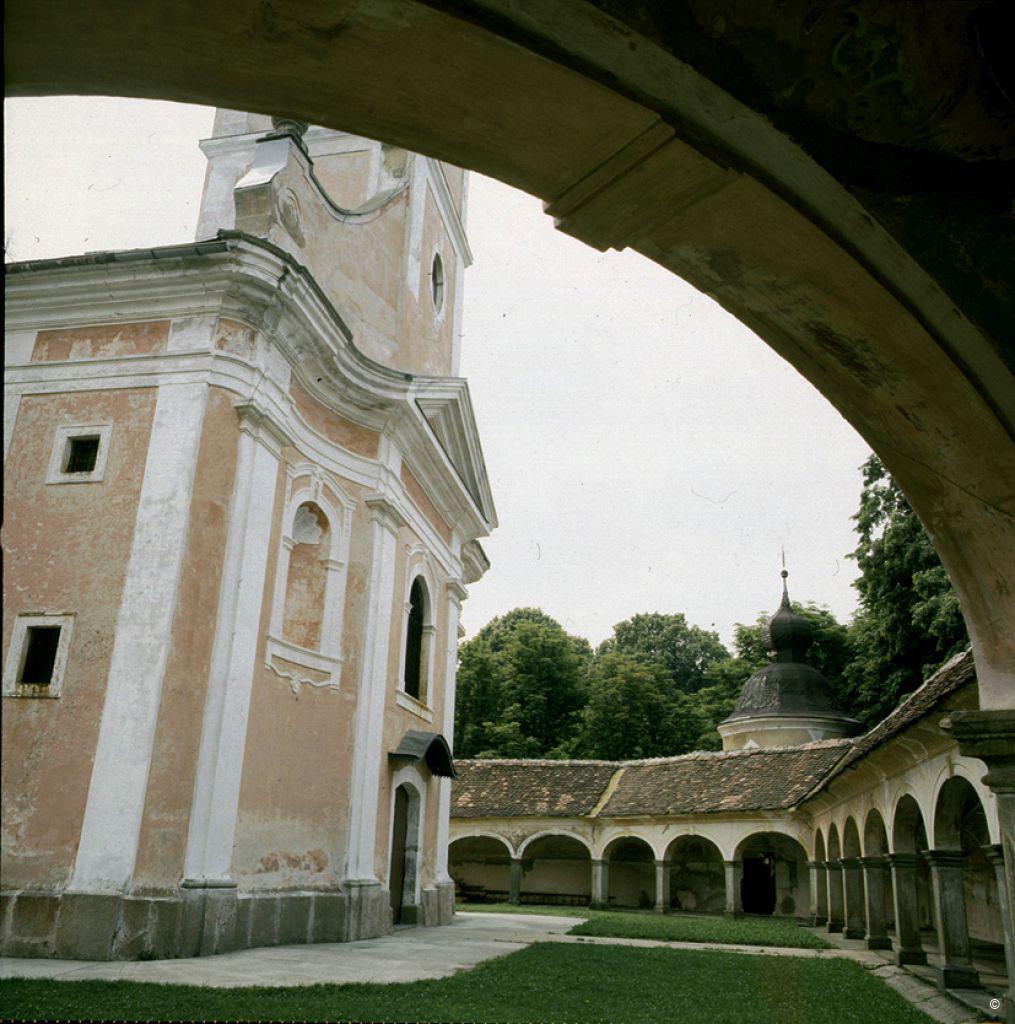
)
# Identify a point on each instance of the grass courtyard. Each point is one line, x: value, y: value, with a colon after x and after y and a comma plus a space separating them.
x: 546, y: 982
x: 745, y: 931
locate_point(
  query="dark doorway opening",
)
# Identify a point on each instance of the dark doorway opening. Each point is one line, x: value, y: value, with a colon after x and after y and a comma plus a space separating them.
x: 757, y: 888
x: 396, y: 877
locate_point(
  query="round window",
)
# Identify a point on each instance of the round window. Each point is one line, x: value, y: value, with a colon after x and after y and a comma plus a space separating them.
x: 437, y: 281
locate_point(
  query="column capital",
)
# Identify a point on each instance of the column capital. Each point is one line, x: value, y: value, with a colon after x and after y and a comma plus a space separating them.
x: 990, y: 736
x: 456, y: 590
x: 818, y: 865
x: 833, y: 865
x: 904, y: 860
x: 663, y: 863
x: 879, y: 861
x: 994, y: 852
x: 945, y: 858
x: 384, y: 511
x: 849, y: 863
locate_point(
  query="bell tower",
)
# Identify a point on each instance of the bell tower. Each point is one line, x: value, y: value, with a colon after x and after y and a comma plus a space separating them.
x: 380, y: 230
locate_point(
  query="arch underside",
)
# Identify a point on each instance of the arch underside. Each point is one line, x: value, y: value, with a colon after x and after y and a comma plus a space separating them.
x: 892, y: 306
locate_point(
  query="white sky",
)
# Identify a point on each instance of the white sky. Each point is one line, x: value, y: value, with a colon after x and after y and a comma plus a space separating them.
x: 647, y: 452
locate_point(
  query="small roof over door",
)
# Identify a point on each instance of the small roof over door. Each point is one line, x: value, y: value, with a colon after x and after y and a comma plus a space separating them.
x: 432, y: 747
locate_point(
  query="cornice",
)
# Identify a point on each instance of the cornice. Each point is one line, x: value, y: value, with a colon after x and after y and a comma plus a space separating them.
x: 257, y: 283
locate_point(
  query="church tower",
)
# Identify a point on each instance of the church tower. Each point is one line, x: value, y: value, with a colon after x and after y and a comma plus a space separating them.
x: 787, y: 702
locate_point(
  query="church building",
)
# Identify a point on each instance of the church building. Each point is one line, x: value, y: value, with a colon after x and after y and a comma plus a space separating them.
x: 244, y: 499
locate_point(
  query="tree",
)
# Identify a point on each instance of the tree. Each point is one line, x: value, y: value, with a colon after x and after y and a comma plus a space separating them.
x: 521, y: 688
x: 630, y: 711
x: 684, y: 651
x: 909, y: 621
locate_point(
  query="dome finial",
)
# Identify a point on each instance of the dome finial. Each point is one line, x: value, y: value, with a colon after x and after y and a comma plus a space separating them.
x: 784, y: 574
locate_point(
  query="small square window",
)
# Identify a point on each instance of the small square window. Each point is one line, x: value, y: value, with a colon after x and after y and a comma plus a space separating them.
x: 40, y: 655
x: 37, y: 656
x: 79, y: 454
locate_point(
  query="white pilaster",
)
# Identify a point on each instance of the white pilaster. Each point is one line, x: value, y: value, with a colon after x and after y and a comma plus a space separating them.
x: 227, y: 704
x: 456, y: 595
x: 367, y: 755
x: 116, y: 795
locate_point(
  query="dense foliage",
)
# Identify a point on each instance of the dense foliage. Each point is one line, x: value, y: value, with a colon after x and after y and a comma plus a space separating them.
x: 659, y: 685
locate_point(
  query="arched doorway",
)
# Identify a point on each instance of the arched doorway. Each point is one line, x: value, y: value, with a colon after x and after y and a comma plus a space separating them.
x: 911, y: 882
x: 556, y: 870
x: 852, y: 883
x: 632, y: 878
x: 878, y: 888
x: 481, y: 869
x: 774, y: 875
x: 697, y: 875
x: 404, y: 867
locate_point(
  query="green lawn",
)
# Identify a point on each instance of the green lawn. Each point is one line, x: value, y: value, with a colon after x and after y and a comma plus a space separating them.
x: 745, y: 931
x: 547, y: 982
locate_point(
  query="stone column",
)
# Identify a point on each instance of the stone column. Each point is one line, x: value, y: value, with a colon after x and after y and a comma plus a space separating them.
x: 875, y: 876
x: 995, y: 854
x: 990, y: 736
x: 515, y: 885
x: 947, y: 868
x: 600, y: 884
x: 734, y: 875
x: 833, y: 869
x: 819, y: 893
x: 852, y: 892
x: 908, y: 945
x: 662, y: 886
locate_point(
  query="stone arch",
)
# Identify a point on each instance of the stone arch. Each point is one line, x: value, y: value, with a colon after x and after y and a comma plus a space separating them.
x: 862, y: 317
x: 909, y: 835
x: 554, y: 832
x: 696, y: 874
x: 972, y: 772
x: 960, y: 825
x: 834, y: 849
x: 819, y: 845
x: 850, y: 838
x: 480, y: 865
x: 875, y: 835
x: 631, y: 867
x: 556, y: 869
x: 774, y: 878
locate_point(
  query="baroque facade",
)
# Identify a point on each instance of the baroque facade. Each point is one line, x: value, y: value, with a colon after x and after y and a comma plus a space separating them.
x: 244, y: 495
x: 892, y: 836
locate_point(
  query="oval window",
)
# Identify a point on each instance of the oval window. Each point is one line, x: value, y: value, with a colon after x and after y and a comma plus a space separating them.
x: 437, y: 281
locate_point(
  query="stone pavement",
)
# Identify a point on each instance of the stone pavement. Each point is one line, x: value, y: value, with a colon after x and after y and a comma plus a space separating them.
x: 413, y: 954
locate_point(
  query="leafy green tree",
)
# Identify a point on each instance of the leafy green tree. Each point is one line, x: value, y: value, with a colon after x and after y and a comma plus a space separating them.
x: 684, y: 651
x: 630, y: 711
x: 909, y: 620
x: 521, y: 688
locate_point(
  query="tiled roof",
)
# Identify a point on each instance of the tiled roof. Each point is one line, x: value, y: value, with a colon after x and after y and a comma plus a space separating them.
x: 708, y: 783
x: 513, y: 789
x: 955, y: 674
x: 702, y: 783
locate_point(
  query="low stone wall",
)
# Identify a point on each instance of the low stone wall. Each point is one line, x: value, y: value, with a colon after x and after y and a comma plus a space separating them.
x: 198, y: 921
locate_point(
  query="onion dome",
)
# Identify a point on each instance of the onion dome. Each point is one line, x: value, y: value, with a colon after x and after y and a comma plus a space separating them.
x: 789, y: 700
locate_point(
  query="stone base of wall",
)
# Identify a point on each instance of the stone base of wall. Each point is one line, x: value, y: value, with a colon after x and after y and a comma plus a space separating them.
x: 194, y: 922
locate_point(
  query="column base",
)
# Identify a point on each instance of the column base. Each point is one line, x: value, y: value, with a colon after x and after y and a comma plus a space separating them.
x: 916, y: 957
x: 956, y: 976
x: 595, y: 905
x: 819, y: 921
x: 853, y: 933
x: 878, y: 942
x: 834, y: 926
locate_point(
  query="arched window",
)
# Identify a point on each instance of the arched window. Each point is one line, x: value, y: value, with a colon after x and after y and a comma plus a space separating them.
x: 304, y: 644
x: 412, y: 676
x: 305, y: 587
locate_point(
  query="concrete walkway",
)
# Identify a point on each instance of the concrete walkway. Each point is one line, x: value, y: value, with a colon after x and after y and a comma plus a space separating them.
x: 408, y: 954
x: 414, y: 954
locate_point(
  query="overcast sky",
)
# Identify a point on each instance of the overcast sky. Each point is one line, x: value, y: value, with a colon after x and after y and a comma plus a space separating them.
x: 647, y: 452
